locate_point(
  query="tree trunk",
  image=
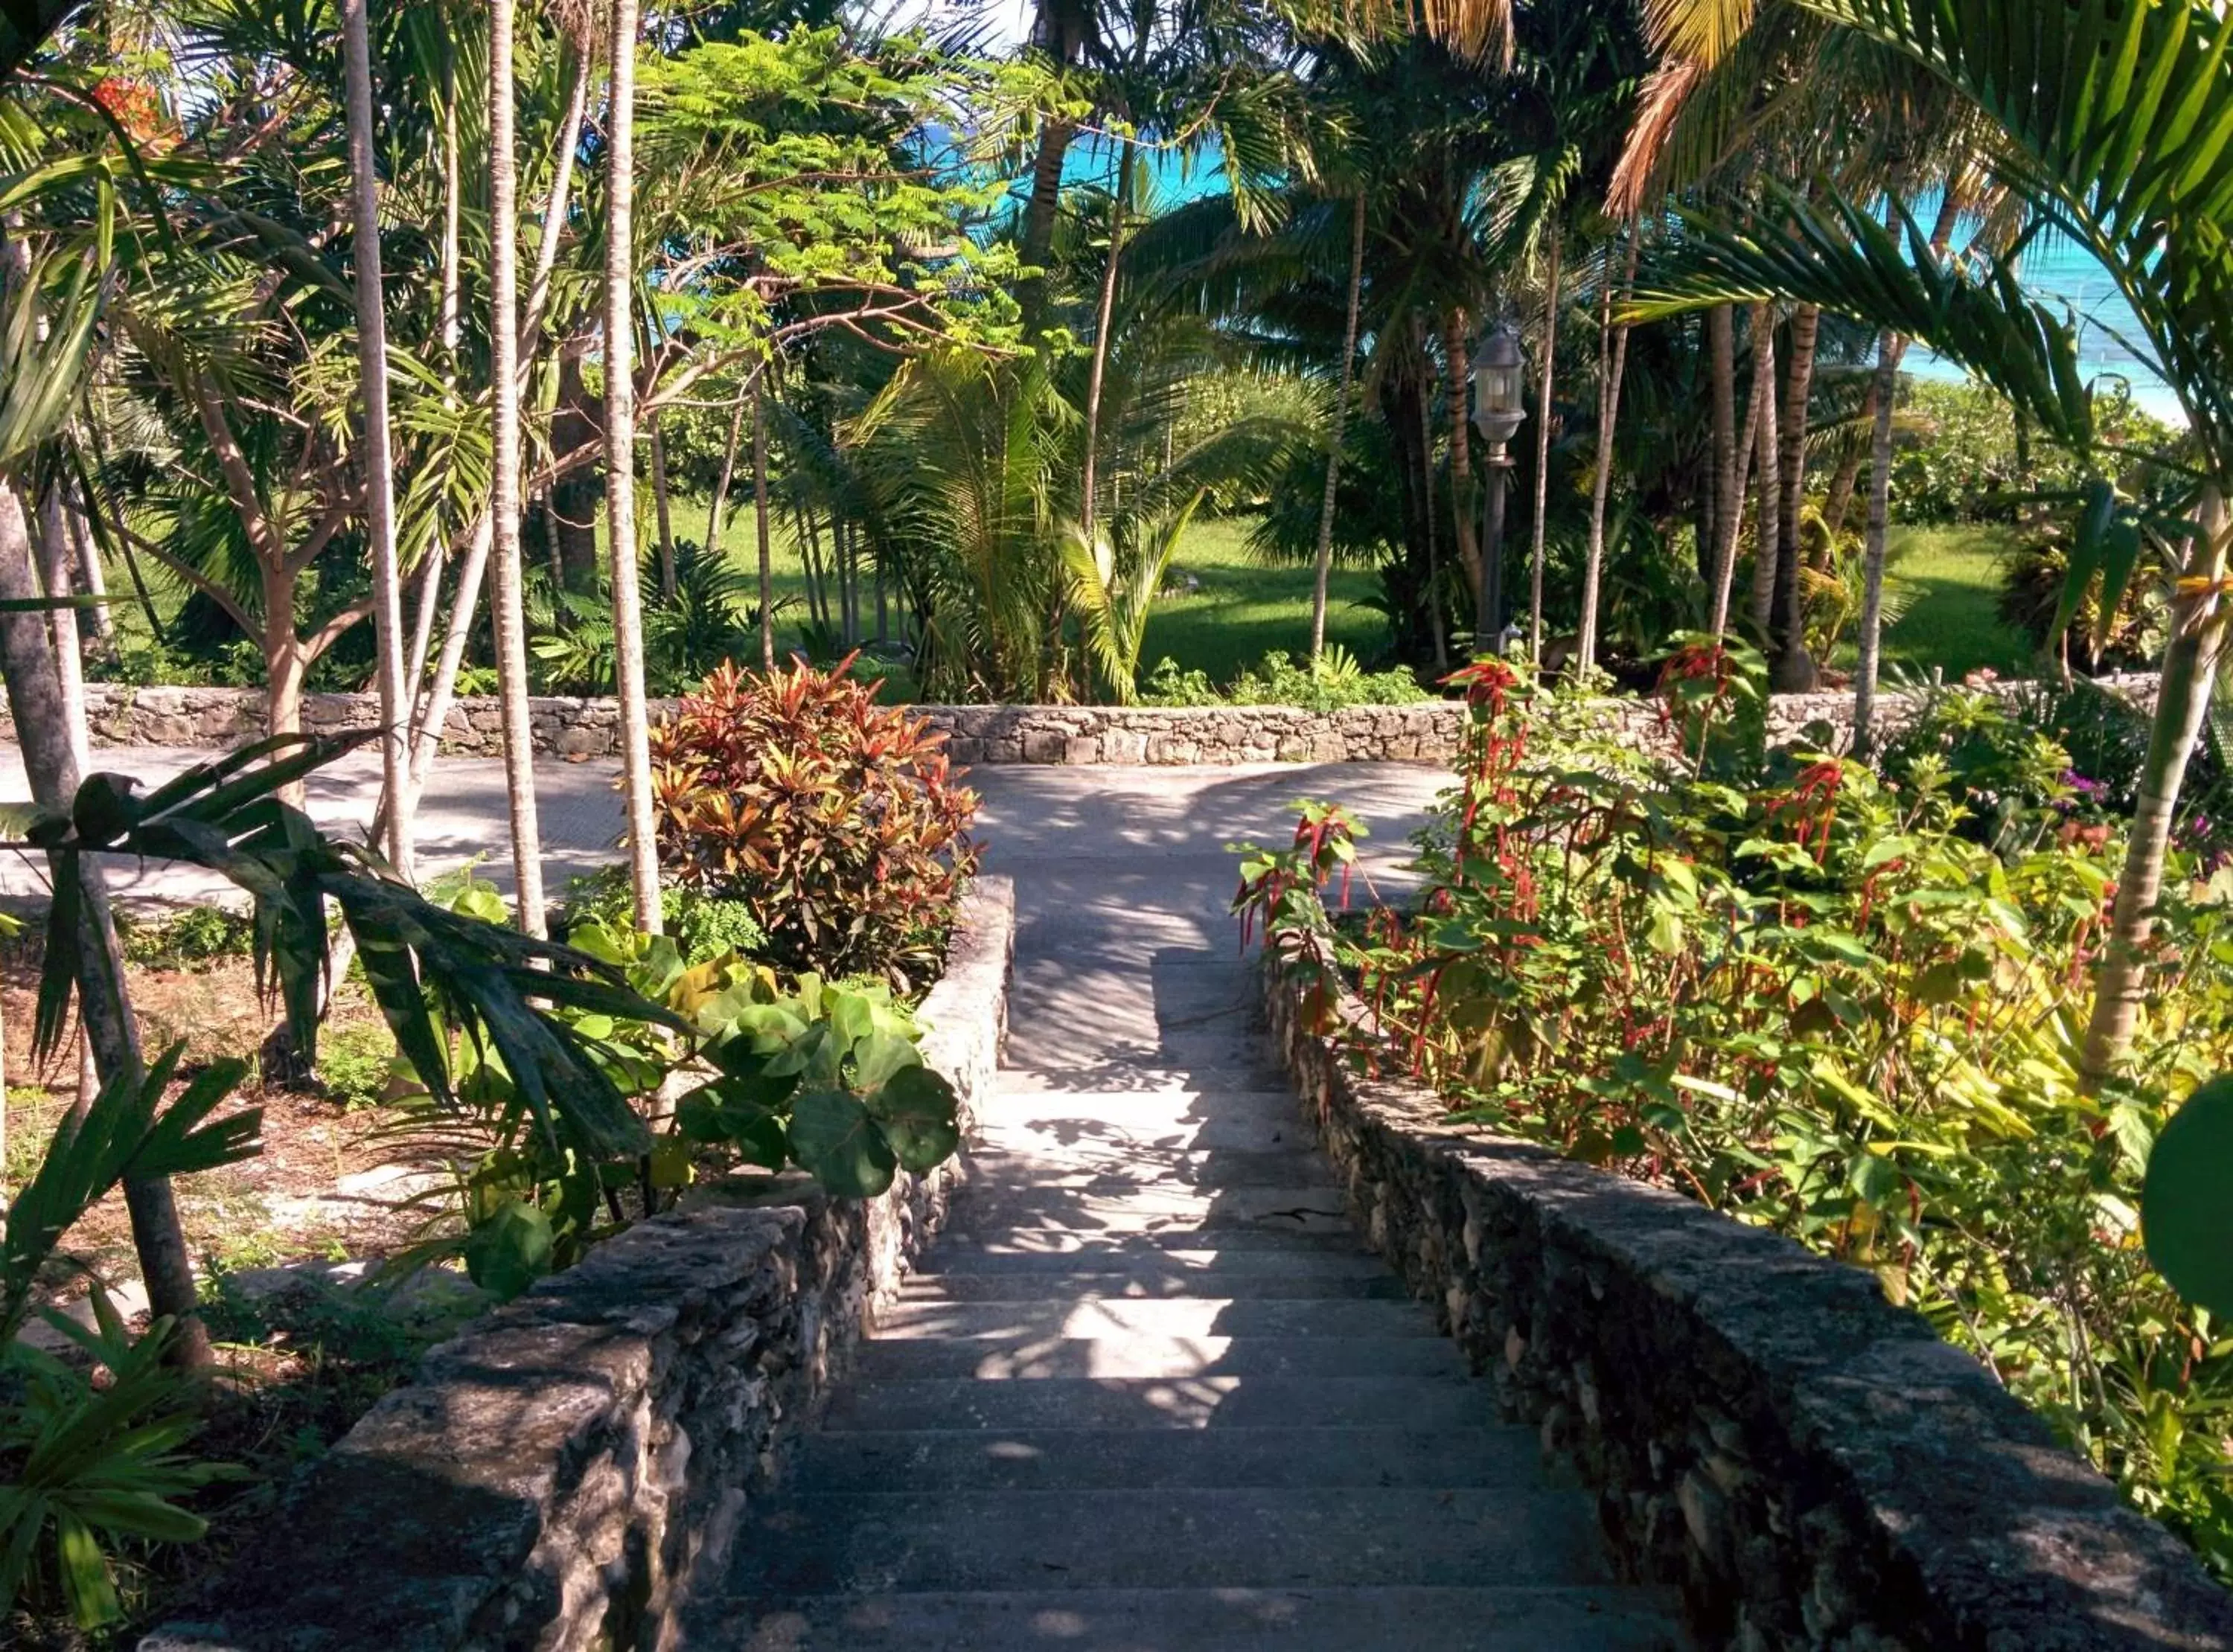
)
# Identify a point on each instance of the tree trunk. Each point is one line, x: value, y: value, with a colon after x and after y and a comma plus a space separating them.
x: 620, y: 468
x: 53, y: 546
x: 452, y: 199
x: 105, y: 1005
x: 578, y: 421
x: 1338, y: 426
x: 1790, y: 669
x: 90, y: 572
x: 1837, y: 497
x: 1103, y: 316
x: 728, y: 471
x: 1865, y: 671
x: 2200, y: 622
x: 1543, y: 452
x: 510, y: 620
x: 379, y: 463
x: 1039, y: 209
x: 1455, y: 360
x: 1767, y: 536
x: 1427, y: 493
x: 1585, y: 651
x: 284, y: 667
x: 662, y: 501
x: 1728, y: 494
x: 761, y: 519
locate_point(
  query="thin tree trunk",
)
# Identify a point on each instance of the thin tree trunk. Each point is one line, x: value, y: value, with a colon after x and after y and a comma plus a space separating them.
x: 728, y: 472
x: 452, y: 199
x: 761, y: 519
x: 433, y: 714
x: 883, y: 611
x: 1543, y: 452
x: 90, y: 572
x: 1864, y: 672
x: 52, y: 544
x: 553, y: 549
x: 1790, y: 669
x: 1427, y: 494
x: 1338, y: 426
x: 1837, y: 497
x: 105, y: 1005
x: 428, y: 600
x: 1767, y: 534
x: 2200, y: 622
x: 1585, y: 653
x: 511, y: 617
x: 1455, y: 359
x: 1039, y: 209
x: 1104, y: 318
x: 620, y: 468
x: 1728, y: 498
x: 662, y: 501
x: 379, y: 465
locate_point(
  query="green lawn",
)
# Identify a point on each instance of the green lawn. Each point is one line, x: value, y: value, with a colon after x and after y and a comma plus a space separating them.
x: 1954, y: 622
x: 1241, y: 608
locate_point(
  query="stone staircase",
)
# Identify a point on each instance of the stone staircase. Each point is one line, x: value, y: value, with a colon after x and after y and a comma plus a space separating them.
x: 1152, y: 1396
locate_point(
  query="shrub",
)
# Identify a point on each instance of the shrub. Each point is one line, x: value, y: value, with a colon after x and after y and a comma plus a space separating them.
x: 1837, y: 1007
x: 354, y: 1064
x: 833, y: 821
x: 185, y: 938
x: 703, y: 926
x: 1336, y: 681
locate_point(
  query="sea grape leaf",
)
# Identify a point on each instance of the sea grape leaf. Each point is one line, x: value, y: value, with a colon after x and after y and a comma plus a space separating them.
x: 917, y: 1107
x: 836, y: 1142
x: 510, y: 1251
x: 2186, y: 1202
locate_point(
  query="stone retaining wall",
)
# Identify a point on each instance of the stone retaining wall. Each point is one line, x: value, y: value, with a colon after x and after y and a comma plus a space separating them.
x: 556, y: 1474
x: 1811, y: 1467
x: 1428, y: 732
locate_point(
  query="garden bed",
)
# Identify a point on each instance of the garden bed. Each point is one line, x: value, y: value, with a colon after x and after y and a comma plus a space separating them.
x: 558, y: 1471
x: 1809, y: 1465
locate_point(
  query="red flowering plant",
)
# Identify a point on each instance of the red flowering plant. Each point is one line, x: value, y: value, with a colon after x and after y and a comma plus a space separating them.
x: 834, y: 820
x: 1815, y: 1000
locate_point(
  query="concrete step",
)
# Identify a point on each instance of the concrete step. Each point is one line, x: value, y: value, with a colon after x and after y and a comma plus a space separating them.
x: 916, y: 1318
x: 1031, y: 1358
x: 987, y: 1210
x: 1248, y: 1072
x: 1257, y: 1249
x: 1144, y: 1282
x: 1105, y: 1168
x: 1084, y: 1458
x: 1451, y: 1402
x: 1379, y: 1619
x: 1232, y: 1537
x: 1028, y: 1123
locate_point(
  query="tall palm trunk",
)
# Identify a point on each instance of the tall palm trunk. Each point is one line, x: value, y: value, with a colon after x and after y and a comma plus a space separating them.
x: 453, y: 199
x: 1427, y: 492
x: 1455, y: 359
x: 761, y: 519
x: 1585, y: 653
x: 90, y: 572
x: 505, y: 503
x: 1790, y: 669
x: 1729, y: 497
x: 1768, y: 537
x: 1543, y: 452
x: 1104, y: 318
x: 620, y: 468
x: 56, y: 564
x: 2200, y: 616
x: 1891, y: 349
x: 1338, y: 426
x: 27, y: 663
x: 378, y: 458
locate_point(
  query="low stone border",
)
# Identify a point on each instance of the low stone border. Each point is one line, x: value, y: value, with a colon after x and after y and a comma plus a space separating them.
x: 558, y: 1472
x: 1810, y: 1466
x: 1426, y: 732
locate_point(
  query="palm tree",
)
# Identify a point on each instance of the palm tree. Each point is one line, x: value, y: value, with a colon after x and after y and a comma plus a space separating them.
x: 511, y: 620
x: 1338, y: 423
x: 620, y: 467
x: 2112, y: 139
x: 379, y: 463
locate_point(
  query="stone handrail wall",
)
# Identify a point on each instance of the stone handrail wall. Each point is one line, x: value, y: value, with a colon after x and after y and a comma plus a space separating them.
x: 1428, y: 732
x: 1811, y: 1467
x: 557, y: 1474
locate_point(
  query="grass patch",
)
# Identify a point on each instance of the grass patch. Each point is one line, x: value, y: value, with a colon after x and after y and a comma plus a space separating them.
x: 1954, y: 623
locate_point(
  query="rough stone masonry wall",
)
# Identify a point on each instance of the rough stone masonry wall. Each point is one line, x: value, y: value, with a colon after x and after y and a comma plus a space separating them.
x: 1428, y: 732
x: 556, y: 1473
x: 1810, y: 1466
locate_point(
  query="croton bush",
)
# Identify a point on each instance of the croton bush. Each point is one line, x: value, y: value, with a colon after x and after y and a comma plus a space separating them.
x: 833, y: 820
x: 1845, y: 1006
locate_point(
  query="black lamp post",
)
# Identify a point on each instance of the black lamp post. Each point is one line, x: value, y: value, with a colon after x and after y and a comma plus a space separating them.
x: 1497, y: 411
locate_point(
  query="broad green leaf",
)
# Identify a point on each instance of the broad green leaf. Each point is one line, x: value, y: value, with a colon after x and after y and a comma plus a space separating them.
x: 2186, y: 1202
x: 836, y: 1142
x: 917, y: 1109
x: 510, y: 1251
